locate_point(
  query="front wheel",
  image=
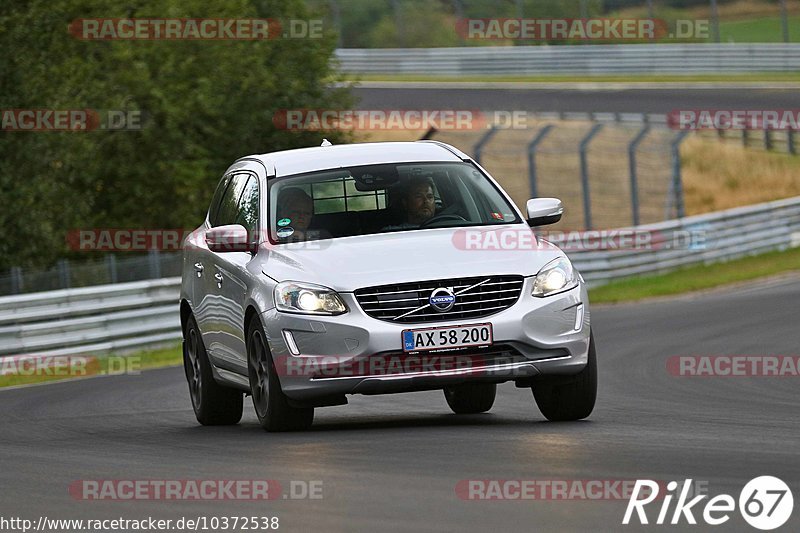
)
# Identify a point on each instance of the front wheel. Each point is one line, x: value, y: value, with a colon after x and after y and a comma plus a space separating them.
x: 214, y: 405
x: 562, y: 398
x: 271, y: 404
x: 470, y: 398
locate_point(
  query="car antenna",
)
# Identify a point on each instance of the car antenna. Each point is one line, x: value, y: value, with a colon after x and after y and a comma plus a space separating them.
x: 326, y: 142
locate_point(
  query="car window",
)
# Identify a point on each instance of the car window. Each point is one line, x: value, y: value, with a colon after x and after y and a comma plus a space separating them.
x: 213, y: 209
x: 247, y: 214
x: 229, y: 204
x: 384, y: 198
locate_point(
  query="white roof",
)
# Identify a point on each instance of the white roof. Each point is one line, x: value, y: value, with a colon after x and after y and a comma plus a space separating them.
x: 302, y: 160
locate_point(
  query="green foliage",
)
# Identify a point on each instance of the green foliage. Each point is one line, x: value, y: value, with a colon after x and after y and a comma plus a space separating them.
x: 203, y: 104
x: 761, y: 30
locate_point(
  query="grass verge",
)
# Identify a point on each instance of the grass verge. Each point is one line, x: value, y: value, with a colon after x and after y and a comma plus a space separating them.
x: 698, y: 277
x: 758, y: 30
x: 70, y: 367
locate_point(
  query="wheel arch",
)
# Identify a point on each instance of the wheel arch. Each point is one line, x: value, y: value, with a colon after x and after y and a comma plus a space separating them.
x: 186, y: 312
x: 250, y: 314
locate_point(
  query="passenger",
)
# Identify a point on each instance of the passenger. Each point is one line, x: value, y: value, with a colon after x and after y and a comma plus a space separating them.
x: 297, y: 206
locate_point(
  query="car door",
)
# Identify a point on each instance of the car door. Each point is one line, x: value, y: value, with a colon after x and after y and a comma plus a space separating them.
x: 200, y: 261
x: 210, y: 308
x: 231, y: 277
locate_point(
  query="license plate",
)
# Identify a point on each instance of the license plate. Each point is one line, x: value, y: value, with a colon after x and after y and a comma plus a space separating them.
x: 418, y: 340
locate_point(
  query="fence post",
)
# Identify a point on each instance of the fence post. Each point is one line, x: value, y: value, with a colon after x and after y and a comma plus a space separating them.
x: 111, y: 263
x: 532, y: 147
x: 398, y: 22
x: 677, y: 181
x: 428, y: 135
x: 790, y: 142
x: 482, y: 142
x: 715, y: 20
x: 744, y: 137
x: 632, y: 147
x: 16, y: 280
x: 767, y: 139
x: 336, y: 14
x: 587, y: 197
x: 155, y: 263
x: 63, y: 273
x: 784, y: 21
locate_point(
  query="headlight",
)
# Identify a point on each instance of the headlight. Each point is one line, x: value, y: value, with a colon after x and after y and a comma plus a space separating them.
x: 306, y: 298
x: 556, y: 276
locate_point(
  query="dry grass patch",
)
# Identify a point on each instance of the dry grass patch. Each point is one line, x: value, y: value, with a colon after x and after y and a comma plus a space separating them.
x: 718, y: 175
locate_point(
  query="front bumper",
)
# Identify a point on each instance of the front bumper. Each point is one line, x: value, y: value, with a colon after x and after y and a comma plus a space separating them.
x: 354, y: 353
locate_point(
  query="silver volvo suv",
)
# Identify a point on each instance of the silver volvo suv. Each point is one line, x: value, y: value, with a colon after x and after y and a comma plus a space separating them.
x: 377, y: 268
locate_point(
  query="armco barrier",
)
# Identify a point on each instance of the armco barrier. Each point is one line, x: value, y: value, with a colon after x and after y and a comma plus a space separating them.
x: 113, y: 318
x: 722, y: 236
x: 99, y: 319
x: 579, y: 59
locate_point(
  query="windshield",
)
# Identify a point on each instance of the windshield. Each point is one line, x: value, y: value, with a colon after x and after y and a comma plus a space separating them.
x: 384, y: 198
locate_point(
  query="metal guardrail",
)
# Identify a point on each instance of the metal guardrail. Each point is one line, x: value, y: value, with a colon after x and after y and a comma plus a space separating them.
x: 582, y: 59
x: 722, y: 236
x: 112, y: 318
x: 99, y: 319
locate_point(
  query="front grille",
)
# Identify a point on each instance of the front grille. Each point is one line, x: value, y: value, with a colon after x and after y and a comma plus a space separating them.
x: 488, y: 295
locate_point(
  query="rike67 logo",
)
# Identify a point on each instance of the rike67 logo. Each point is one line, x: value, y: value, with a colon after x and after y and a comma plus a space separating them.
x: 765, y: 503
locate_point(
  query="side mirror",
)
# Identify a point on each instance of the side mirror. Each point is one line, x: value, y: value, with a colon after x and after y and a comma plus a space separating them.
x: 230, y: 238
x: 544, y: 211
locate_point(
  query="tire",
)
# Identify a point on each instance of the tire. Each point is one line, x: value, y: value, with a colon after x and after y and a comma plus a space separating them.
x: 271, y: 404
x: 214, y: 405
x: 563, y: 398
x: 470, y: 398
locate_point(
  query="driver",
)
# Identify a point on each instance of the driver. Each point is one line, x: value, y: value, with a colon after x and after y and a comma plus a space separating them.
x: 418, y: 204
x: 419, y: 201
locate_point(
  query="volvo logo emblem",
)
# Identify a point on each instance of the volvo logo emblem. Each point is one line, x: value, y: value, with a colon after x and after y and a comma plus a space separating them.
x: 442, y: 299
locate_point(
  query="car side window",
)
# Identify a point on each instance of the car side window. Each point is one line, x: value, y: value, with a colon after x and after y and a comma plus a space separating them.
x: 229, y: 204
x: 247, y: 214
x: 213, y: 209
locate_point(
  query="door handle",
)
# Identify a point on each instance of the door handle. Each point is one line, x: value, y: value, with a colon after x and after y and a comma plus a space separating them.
x: 218, y: 277
x: 198, y: 267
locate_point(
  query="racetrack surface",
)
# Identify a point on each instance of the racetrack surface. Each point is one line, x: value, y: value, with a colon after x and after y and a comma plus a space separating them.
x: 630, y: 100
x: 391, y: 463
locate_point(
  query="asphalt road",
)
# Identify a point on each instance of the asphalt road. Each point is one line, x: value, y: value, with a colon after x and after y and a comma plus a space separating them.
x: 577, y: 100
x: 392, y: 463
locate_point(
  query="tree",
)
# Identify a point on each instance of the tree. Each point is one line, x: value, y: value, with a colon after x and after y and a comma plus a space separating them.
x: 202, y: 104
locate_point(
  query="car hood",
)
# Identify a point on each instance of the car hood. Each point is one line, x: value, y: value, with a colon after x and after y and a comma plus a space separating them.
x: 350, y: 263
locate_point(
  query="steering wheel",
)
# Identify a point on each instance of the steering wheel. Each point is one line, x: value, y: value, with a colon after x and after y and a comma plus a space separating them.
x: 441, y: 218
